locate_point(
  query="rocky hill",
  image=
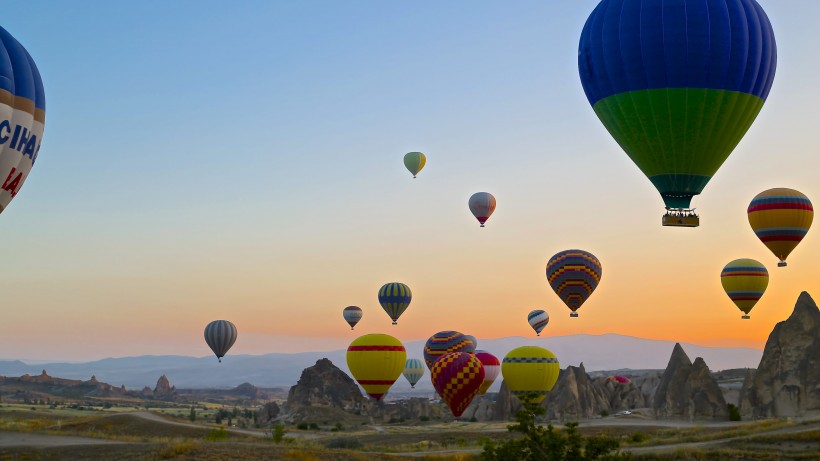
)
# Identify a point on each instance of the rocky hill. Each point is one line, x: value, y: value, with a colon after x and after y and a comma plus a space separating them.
x: 787, y: 381
x: 688, y: 390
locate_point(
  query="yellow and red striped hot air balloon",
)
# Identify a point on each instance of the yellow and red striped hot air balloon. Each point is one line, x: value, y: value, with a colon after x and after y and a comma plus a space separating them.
x: 745, y: 281
x: 457, y: 378
x: 780, y: 218
x: 530, y: 369
x: 376, y: 362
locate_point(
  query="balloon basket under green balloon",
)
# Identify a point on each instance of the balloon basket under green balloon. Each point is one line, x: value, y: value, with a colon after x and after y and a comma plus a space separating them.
x: 573, y: 314
x: 745, y: 317
x: 680, y: 217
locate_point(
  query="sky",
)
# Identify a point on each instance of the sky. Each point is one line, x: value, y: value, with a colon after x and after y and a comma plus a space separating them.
x: 211, y: 160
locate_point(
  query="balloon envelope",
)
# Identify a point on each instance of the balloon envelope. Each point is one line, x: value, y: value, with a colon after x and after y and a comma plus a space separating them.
x: 538, y: 319
x: 482, y: 205
x: 473, y: 340
x: 414, y: 162
x: 457, y: 377
x: 492, y: 367
x: 530, y: 369
x: 22, y: 116
x: 780, y: 218
x: 619, y: 379
x: 445, y: 342
x: 574, y: 275
x: 677, y: 83
x: 413, y: 371
x: 220, y: 336
x: 376, y: 361
x: 745, y: 281
x: 352, y: 315
x: 394, y: 298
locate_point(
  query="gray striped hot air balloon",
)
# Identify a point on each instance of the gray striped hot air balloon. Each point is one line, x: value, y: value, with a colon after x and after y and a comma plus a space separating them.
x: 220, y: 336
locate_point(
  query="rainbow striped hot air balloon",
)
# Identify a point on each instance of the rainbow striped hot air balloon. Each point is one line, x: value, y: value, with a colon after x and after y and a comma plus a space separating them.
x: 574, y: 275
x: 220, y: 336
x: 780, y: 218
x: 394, y: 298
x: 677, y: 84
x: 352, y: 315
x: 22, y: 116
x: 413, y: 371
x: 414, y: 162
x: 457, y: 377
x: 530, y: 370
x: 376, y: 361
x: 538, y: 320
x: 445, y: 342
x: 745, y: 281
x: 491, y: 369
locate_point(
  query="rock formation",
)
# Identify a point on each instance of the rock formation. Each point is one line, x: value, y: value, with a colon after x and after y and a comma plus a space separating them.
x: 688, y: 390
x: 323, y: 386
x: 164, y: 390
x: 787, y: 381
x: 268, y: 412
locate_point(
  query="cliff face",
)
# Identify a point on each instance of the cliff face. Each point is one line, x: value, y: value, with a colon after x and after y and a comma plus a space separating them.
x: 323, y: 386
x: 787, y: 381
x: 688, y: 390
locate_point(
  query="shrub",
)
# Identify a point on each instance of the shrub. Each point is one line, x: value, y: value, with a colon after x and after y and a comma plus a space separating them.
x: 734, y: 412
x: 302, y: 426
x: 217, y: 435
x: 349, y: 443
x: 604, y: 413
x: 424, y: 418
x: 638, y: 437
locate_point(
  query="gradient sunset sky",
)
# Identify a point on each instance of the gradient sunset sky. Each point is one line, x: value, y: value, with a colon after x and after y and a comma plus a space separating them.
x: 211, y: 160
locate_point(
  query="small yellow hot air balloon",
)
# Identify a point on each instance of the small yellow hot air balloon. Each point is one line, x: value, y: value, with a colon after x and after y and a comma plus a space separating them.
x: 376, y: 362
x: 530, y: 369
x: 414, y: 162
x: 745, y: 281
x: 780, y: 218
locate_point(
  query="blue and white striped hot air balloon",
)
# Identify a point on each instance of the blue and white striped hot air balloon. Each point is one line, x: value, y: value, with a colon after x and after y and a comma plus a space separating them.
x: 220, y: 336
x: 538, y: 320
x: 413, y: 371
x: 22, y: 116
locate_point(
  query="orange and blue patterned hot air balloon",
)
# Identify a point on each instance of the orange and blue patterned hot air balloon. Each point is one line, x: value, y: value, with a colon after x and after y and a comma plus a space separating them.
x: 457, y: 378
x: 573, y: 275
x: 745, y: 281
x: 394, y: 298
x: 677, y: 84
x: 376, y: 361
x: 352, y: 315
x: 445, y: 342
x: 492, y: 367
x: 780, y: 218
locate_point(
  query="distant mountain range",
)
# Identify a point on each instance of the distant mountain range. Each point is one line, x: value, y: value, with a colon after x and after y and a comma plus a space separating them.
x: 597, y: 352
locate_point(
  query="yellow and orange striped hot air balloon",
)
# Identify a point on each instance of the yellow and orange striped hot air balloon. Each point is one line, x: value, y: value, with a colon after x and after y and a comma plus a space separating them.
x: 745, y: 281
x: 780, y: 218
x: 376, y: 362
x: 530, y: 369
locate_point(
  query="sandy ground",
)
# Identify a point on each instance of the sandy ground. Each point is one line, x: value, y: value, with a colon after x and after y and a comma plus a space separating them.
x: 23, y: 439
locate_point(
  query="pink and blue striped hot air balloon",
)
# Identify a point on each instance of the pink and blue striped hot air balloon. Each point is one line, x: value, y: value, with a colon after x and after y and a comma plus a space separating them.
x: 22, y: 116
x: 220, y: 336
x: 574, y: 275
x: 538, y: 319
x: 780, y: 218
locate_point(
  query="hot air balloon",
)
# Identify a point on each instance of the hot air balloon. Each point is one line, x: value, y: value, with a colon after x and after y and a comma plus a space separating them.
x: 414, y: 161
x: 22, y: 116
x: 413, y: 371
x: 677, y: 84
x: 220, y: 336
x: 530, y: 369
x: 780, y: 218
x: 538, y: 319
x: 573, y: 275
x: 352, y: 315
x: 619, y: 379
x: 376, y: 361
x: 491, y: 369
x: 394, y: 298
x: 457, y: 377
x: 745, y: 281
x: 443, y: 343
x: 482, y: 205
x: 472, y: 340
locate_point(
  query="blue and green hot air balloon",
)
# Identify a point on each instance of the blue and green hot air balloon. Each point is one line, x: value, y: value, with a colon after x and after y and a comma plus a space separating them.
x: 677, y: 83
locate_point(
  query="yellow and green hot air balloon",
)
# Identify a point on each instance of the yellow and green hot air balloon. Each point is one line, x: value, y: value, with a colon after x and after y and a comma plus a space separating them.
x: 530, y: 369
x: 745, y: 281
x: 414, y: 161
x: 376, y: 362
x: 780, y: 218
